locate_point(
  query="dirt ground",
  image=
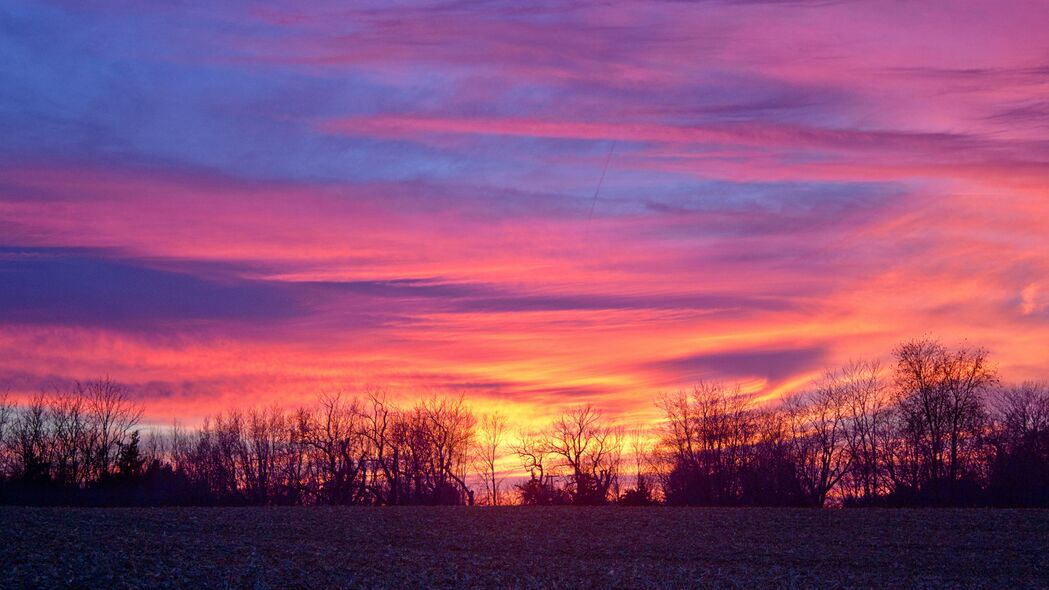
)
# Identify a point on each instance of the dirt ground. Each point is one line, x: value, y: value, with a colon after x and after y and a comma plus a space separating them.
x: 609, y: 547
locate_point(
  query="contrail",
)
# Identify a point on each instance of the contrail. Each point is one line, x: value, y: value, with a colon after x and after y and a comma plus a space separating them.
x: 597, y: 190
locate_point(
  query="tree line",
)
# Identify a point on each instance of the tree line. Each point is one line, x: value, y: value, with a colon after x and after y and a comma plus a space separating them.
x: 933, y: 427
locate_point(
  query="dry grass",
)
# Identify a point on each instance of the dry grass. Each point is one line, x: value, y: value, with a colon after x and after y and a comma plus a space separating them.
x: 521, y: 548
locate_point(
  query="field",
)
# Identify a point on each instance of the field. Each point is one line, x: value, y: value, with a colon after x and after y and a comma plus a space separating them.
x: 520, y: 548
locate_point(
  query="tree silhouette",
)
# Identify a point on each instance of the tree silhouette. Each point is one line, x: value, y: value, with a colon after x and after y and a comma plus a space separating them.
x: 936, y: 429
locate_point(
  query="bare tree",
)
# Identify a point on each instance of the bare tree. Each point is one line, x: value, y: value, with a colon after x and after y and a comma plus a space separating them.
x: 533, y: 452
x: 770, y: 475
x: 641, y: 448
x: 112, y: 417
x: 265, y: 447
x: 868, y: 426
x: 590, y: 450
x: 7, y: 413
x: 818, y: 438
x: 449, y: 427
x: 939, y: 397
x: 1019, y: 462
x: 71, y: 434
x: 157, y: 446
x: 531, y: 449
x: 706, y: 438
x: 30, y: 441
x: 379, y: 423
x: 336, y: 433
x: 490, y: 433
x: 1023, y: 410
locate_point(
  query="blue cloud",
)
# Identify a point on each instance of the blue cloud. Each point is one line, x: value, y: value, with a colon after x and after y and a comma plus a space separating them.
x: 772, y: 364
x: 86, y: 288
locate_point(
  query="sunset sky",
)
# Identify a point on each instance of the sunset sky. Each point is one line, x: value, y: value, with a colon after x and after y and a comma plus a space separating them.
x: 227, y: 204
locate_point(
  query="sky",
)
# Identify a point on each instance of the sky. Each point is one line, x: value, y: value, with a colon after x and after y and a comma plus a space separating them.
x: 534, y: 204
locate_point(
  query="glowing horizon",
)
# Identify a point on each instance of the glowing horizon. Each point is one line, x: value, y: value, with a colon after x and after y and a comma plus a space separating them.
x: 234, y: 206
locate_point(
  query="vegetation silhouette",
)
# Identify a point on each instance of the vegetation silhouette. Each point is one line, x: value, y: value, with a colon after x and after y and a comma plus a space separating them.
x: 935, y: 428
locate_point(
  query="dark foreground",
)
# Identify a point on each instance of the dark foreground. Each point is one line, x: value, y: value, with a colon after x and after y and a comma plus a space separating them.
x: 520, y: 548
